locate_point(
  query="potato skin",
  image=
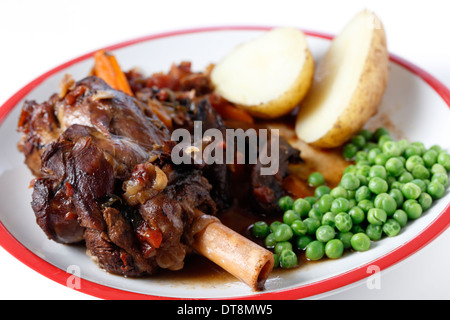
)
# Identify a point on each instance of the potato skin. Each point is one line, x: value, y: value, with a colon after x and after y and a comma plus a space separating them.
x: 286, y: 102
x: 366, y: 98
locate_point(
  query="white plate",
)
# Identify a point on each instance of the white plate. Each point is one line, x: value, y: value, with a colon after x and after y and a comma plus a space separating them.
x: 415, y: 103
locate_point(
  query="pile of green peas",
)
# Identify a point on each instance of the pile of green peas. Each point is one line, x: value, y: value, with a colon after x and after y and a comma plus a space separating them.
x: 386, y: 184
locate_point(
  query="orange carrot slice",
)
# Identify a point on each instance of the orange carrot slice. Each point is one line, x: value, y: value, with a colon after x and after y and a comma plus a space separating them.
x: 107, y: 68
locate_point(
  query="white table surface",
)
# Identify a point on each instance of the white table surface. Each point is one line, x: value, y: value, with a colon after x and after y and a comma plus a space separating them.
x: 36, y: 36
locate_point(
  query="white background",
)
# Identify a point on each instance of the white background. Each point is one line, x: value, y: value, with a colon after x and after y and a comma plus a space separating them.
x: 36, y: 36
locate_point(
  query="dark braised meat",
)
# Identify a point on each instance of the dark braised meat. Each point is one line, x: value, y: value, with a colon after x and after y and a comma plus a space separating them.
x: 105, y: 177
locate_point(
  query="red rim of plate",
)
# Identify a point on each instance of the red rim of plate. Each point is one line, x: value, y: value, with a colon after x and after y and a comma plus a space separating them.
x: 434, y: 229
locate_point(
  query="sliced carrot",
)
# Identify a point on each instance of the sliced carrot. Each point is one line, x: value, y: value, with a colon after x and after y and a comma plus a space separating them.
x: 161, y: 114
x: 227, y: 110
x: 296, y: 187
x: 107, y: 68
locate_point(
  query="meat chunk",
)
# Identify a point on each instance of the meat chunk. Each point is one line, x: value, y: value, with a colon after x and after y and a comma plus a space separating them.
x: 105, y: 178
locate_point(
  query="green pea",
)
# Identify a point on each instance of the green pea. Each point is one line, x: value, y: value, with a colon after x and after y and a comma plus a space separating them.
x: 288, y: 259
x: 339, y: 205
x: 361, y: 163
x: 351, y: 203
x: 397, y: 195
x: 349, y: 151
x: 420, y: 172
x: 381, y: 159
x: 369, y: 146
x: 285, y: 203
x: 363, y: 170
x: 438, y: 168
x: 378, y: 185
x: 283, y: 245
x: 412, y: 208
x: 436, y: 148
x: 413, y: 161
x: 411, y: 190
x: 401, y: 217
x: 350, y: 181
x: 402, y: 159
x: 334, y: 249
x: 394, y: 166
x: 420, y: 183
x: 315, y: 250
x: 441, y: 178
x: 366, y: 133
x: 260, y: 229
x: 360, y: 156
x: 316, y: 179
x: 329, y: 219
x: 357, y: 228
x: 357, y: 214
x: 315, y: 213
x: 380, y: 132
x: 325, y: 202
x: 270, y: 241
x: 435, y: 189
x: 382, y: 140
x: 311, y: 225
x: 283, y: 233
x: 351, y: 194
x: 349, y: 169
x: 303, y: 241
x: 385, y: 202
x: 301, y: 206
x: 290, y: 216
x: 390, y: 180
x: 366, y: 205
x: 339, y: 192
x: 372, y: 154
x: 391, y: 228
x: 299, y: 228
x: 374, y: 232
x: 376, y: 216
x: 325, y: 233
x: 311, y: 200
x: 378, y: 171
x: 412, y: 150
x: 321, y: 190
x: 391, y: 149
x: 403, y: 143
x: 274, y: 225
x: 362, y: 193
x: 405, y: 177
x: 359, y: 141
x: 360, y: 242
x: 430, y: 158
x: 343, y: 222
x: 345, y: 237
x: 397, y: 185
x: 420, y: 145
x: 425, y: 201
x: 276, y: 259
x: 444, y: 160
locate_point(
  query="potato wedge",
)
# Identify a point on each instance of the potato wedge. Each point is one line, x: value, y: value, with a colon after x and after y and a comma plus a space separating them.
x: 267, y: 76
x: 348, y: 84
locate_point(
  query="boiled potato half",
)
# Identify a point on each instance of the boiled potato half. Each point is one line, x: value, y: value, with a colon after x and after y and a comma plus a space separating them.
x: 348, y: 84
x: 267, y: 76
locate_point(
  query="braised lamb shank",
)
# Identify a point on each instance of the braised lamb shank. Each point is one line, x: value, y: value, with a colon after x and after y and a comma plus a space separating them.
x: 104, y: 176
